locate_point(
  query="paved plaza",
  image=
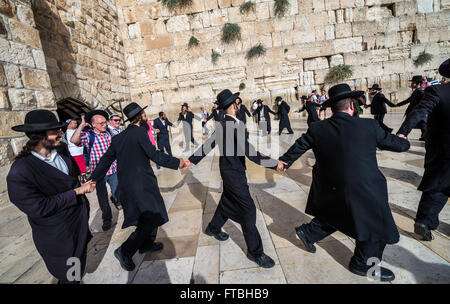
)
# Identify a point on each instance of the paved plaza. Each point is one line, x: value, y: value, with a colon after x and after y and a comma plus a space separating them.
x: 190, y: 256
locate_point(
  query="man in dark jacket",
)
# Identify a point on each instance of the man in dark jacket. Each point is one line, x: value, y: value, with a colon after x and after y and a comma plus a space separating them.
x: 186, y: 117
x: 413, y: 101
x: 236, y: 203
x: 311, y: 108
x: 263, y: 117
x: 243, y: 111
x: 283, y: 115
x: 216, y: 113
x: 43, y: 183
x: 435, y: 183
x: 142, y: 202
x: 161, y: 124
x: 348, y: 192
x: 378, y: 105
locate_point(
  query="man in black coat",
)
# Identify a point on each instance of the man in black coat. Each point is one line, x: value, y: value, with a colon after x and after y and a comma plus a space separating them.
x: 243, y: 111
x: 142, y: 203
x: 435, y: 183
x: 161, y: 124
x: 283, y: 115
x: 43, y: 183
x: 186, y: 118
x: 263, y: 117
x: 216, y: 113
x: 348, y: 192
x: 236, y: 202
x: 311, y: 108
x: 378, y: 105
x: 413, y: 101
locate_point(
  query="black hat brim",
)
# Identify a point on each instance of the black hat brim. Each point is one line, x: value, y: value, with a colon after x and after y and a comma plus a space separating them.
x: 444, y: 69
x: 135, y: 112
x: 37, y: 127
x: 334, y: 99
x: 91, y: 114
x: 229, y: 100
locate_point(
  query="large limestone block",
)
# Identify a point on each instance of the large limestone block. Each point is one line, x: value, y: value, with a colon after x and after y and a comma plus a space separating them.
x: 24, y: 33
x: 388, y: 40
x: 45, y: 100
x: 336, y: 60
x: 13, y: 76
x: 347, y: 3
x: 377, y: 13
x: 315, y: 64
x: 224, y: 3
x: 262, y: 10
x: 317, y: 19
x: 14, y: 52
x: 343, y: 30
x: 285, y: 24
x: 398, y: 66
x: 318, y: 5
x: 178, y: 24
x: 35, y: 79
x: 345, y: 45
x: 425, y: 6
x: 158, y: 42
x: 405, y: 8
x: 4, y: 101
x: 210, y: 4
x: 332, y: 4
x: 134, y: 31
x: 9, y: 119
x: 367, y: 71
x: 306, y: 6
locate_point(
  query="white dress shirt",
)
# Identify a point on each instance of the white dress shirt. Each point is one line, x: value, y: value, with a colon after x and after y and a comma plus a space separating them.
x: 54, y: 160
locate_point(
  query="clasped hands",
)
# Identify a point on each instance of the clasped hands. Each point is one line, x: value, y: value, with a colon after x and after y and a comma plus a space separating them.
x: 280, y: 166
x: 184, y: 164
x: 87, y: 187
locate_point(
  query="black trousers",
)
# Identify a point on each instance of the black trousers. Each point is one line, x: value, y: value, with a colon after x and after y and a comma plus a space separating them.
x: 380, y: 118
x: 285, y: 125
x: 317, y: 230
x: 430, y: 205
x: 249, y: 230
x: 164, y: 146
x: 188, y: 136
x: 144, y: 236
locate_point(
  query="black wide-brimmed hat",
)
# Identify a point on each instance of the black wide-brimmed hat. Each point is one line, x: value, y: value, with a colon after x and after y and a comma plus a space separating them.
x: 417, y: 78
x: 185, y: 104
x: 444, y: 68
x: 278, y: 98
x: 225, y: 98
x: 132, y: 110
x: 39, y: 121
x: 259, y: 101
x: 339, y: 92
x: 304, y: 97
x: 90, y: 114
x: 375, y: 86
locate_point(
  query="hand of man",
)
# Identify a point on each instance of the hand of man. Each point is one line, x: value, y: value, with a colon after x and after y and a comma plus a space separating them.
x: 401, y: 136
x: 157, y: 130
x: 87, y: 187
x: 83, y: 123
x: 184, y: 164
x: 280, y: 166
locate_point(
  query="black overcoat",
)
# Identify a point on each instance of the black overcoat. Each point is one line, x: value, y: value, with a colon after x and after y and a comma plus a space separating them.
x: 267, y: 110
x: 243, y: 111
x: 217, y: 114
x: 436, y: 106
x: 189, y: 117
x: 59, y: 218
x: 163, y: 135
x: 348, y: 191
x: 310, y: 107
x: 236, y: 202
x: 378, y: 105
x: 412, y: 100
x: 283, y: 115
x: 138, y: 186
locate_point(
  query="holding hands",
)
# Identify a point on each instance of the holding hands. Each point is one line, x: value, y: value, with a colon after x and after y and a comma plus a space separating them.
x: 184, y: 164
x: 280, y: 166
x: 87, y: 187
x: 401, y: 136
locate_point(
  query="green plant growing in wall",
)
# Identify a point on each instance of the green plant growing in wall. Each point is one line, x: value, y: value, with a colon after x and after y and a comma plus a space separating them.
x: 241, y: 86
x: 339, y: 73
x: 231, y: 32
x: 246, y: 7
x: 214, y: 56
x: 193, y: 42
x: 173, y: 4
x: 256, y: 51
x: 423, y: 58
x: 280, y: 7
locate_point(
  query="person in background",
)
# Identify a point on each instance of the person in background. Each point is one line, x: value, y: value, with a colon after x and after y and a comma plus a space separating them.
x: 204, y: 115
x: 243, y: 111
x: 323, y: 97
x: 310, y: 107
x: 283, y: 115
x: 149, y: 128
x: 160, y: 125
x: 378, y: 105
x: 114, y: 124
x: 263, y: 117
x: 186, y: 117
x: 75, y: 151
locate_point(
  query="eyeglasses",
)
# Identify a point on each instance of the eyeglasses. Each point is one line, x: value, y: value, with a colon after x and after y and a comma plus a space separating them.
x: 101, y: 123
x: 115, y: 119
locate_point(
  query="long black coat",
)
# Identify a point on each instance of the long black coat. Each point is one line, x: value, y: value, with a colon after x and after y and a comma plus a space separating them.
x: 243, y: 111
x: 348, y: 191
x: 310, y: 107
x: 138, y: 186
x: 436, y: 105
x: 163, y: 135
x: 412, y: 100
x: 217, y: 114
x: 236, y: 202
x: 189, y: 117
x: 283, y: 115
x: 267, y: 110
x: 59, y: 218
x: 378, y: 105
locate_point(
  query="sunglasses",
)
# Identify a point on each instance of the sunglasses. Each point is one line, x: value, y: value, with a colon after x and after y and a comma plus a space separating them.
x: 115, y: 119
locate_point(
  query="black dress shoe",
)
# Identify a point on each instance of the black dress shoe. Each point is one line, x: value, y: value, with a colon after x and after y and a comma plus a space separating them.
x: 423, y: 231
x: 126, y: 262
x: 106, y: 225
x: 155, y: 247
x: 302, y: 236
x: 383, y: 275
x: 116, y: 203
x: 221, y: 236
x: 263, y: 260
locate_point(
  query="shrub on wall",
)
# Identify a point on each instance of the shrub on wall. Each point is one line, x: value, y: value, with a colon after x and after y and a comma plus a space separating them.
x: 214, y: 56
x: 193, y: 42
x: 422, y: 59
x: 231, y: 32
x: 241, y: 86
x: 280, y: 7
x: 246, y: 7
x: 172, y: 4
x: 256, y: 51
x: 339, y: 73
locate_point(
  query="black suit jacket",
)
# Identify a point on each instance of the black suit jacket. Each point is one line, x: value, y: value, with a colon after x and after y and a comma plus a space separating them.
x: 189, y: 117
x: 243, y: 111
x: 139, y: 191
x: 412, y: 100
x: 310, y: 107
x: 378, y: 105
x: 267, y: 110
x: 348, y: 191
x: 435, y: 105
x: 218, y: 115
x: 163, y: 132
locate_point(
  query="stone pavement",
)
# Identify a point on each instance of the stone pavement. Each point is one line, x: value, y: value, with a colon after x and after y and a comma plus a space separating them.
x: 189, y: 256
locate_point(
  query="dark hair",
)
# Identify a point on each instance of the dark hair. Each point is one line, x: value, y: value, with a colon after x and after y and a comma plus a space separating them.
x: 136, y: 118
x: 229, y: 105
x: 160, y: 114
x: 342, y: 105
x: 34, y: 140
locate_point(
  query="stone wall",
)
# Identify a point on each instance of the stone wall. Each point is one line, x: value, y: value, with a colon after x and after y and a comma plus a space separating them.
x: 378, y: 38
x: 51, y: 50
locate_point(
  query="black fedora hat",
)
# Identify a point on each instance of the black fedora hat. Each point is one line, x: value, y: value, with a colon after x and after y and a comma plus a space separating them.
x: 375, y: 86
x: 91, y: 114
x: 132, y: 110
x: 417, y: 78
x: 225, y: 98
x: 39, y: 121
x: 278, y: 98
x: 185, y: 105
x: 444, y: 68
x: 339, y: 92
x: 259, y: 101
x: 304, y: 97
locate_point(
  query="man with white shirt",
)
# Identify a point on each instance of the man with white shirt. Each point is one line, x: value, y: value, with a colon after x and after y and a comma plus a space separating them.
x: 114, y: 124
x: 75, y: 151
x: 161, y: 124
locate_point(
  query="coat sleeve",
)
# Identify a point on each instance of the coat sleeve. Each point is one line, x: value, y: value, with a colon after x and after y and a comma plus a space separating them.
x: 390, y: 142
x: 157, y: 156
x: 255, y: 156
x: 420, y: 112
x: 105, y: 163
x: 270, y: 110
x: 387, y: 101
x: 247, y: 112
x: 30, y: 200
x: 155, y: 125
x: 301, y: 145
x: 169, y: 123
x: 201, y: 152
x: 302, y: 109
x: 406, y: 101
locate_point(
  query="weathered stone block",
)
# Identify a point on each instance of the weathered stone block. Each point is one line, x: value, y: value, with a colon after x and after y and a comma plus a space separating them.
x: 332, y: 4
x: 4, y: 101
x: 305, y: 6
x: 343, y: 30
x: 336, y: 60
x: 315, y: 64
x: 178, y: 24
x: 318, y: 5
x: 12, y: 72
x: 347, y: 3
x: 262, y: 10
x: 405, y: 8
x: 21, y: 99
x: 25, y: 15
x: 211, y: 4
x: 425, y: 6
x: 7, y: 8
x: 25, y: 33
x: 35, y: 79
x: 329, y: 32
x: 39, y: 59
x: 234, y: 16
x: 158, y: 42
x: 283, y: 24
x: 45, y: 100
x: 317, y: 19
x: 134, y: 30
x: 306, y: 78
x: 347, y: 45
x: 224, y: 3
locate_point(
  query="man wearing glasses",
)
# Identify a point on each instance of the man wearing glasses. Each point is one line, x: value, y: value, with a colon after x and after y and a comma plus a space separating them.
x: 114, y: 124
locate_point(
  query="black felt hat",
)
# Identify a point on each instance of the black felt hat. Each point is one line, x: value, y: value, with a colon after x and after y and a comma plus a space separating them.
x: 339, y: 92
x: 226, y: 97
x: 39, y: 121
x: 444, y: 68
x: 132, y: 110
x: 417, y: 78
x: 90, y: 114
x: 375, y: 86
x: 278, y: 98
